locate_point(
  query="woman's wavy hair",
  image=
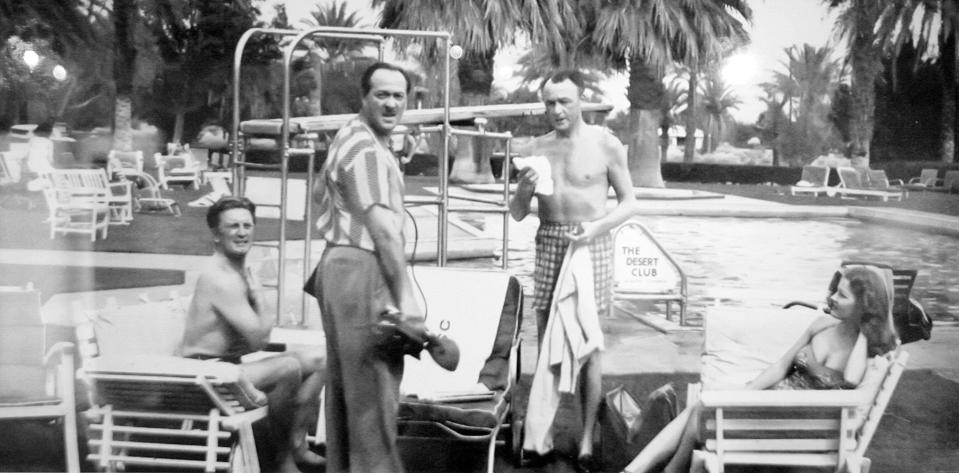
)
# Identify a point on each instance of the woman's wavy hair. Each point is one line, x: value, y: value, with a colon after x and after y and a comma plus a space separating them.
x: 872, y: 294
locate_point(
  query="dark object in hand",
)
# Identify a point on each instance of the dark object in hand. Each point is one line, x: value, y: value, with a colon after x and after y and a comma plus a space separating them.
x: 409, y: 336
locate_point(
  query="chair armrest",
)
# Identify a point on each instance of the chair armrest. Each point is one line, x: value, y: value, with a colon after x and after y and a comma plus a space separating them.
x: 784, y: 399
x: 59, y: 352
x: 896, y: 182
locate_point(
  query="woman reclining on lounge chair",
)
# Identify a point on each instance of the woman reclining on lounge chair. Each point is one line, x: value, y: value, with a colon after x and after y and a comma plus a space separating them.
x: 831, y: 354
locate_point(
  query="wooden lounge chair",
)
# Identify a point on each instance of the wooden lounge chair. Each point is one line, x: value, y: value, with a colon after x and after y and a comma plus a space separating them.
x: 852, y: 186
x: 159, y: 411
x: 825, y: 429
x: 120, y: 162
x: 92, y: 185
x: 815, y: 179
x: 178, y: 168
x: 927, y: 179
x: 35, y: 384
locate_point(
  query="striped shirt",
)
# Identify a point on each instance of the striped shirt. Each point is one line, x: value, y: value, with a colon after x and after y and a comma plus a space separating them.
x: 359, y: 173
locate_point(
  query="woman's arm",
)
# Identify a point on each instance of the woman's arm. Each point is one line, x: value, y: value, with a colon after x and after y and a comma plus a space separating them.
x: 777, y: 371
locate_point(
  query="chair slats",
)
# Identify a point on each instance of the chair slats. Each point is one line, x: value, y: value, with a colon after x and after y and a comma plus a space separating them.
x: 775, y: 424
x: 161, y: 447
x: 154, y: 431
x: 774, y: 445
x: 170, y: 462
x: 780, y: 459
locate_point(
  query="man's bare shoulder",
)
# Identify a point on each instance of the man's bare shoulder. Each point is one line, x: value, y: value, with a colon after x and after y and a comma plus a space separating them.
x: 215, y: 278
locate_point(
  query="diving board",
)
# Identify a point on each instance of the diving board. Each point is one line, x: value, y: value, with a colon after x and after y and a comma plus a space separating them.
x: 420, y: 116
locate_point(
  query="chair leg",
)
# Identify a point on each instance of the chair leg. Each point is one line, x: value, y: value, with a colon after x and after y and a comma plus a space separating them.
x: 70, y: 448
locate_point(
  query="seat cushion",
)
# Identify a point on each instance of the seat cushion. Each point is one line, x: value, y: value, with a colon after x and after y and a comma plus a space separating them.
x: 482, y: 414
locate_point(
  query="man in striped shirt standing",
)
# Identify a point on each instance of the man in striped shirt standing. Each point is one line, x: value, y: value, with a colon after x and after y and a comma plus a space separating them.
x: 361, y: 273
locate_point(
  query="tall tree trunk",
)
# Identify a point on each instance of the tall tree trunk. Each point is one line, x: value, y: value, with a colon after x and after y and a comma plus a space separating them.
x: 689, y: 151
x: 866, y: 67
x: 124, y: 59
x: 471, y: 161
x: 646, y: 94
x: 949, y: 96
x: 178, y: 127
x: 708, y: 135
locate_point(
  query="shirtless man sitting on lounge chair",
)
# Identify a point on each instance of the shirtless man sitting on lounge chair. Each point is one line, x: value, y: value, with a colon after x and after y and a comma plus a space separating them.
x: 228, y: 319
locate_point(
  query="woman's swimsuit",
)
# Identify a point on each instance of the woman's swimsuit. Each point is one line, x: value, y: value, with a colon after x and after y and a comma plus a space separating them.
x: 808, y: 373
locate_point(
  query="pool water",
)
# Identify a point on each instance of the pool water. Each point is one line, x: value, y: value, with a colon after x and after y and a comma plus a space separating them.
x: 753, y: 262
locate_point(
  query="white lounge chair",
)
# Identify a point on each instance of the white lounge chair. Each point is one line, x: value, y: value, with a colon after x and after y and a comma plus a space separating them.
x: 928, y: 179
x: 852, y: 186
x: 814, y: 179
x: 82, y: 185
x: 120, y: 162
x: 36, y: 383
x: 825, y: 429
x: 178, y: 168
x: 156, y: 410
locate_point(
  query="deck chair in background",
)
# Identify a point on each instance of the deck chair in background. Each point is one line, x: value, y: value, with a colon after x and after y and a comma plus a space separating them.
x: 482, y: 311
x: 879, y: 180
x: 157, y: 410
x: 950, y: 182
x: 927, y: 179
x: 148, y: 197
x: 178, y: 168
x: 35, y: 383
x: 121, y: 162
x: 67, y: 215
x: 852, y: 186
x: 814, y: 179
x: 84, y: 185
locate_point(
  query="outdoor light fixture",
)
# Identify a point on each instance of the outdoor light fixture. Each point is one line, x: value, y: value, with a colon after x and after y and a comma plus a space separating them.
x: 456, y: 51
x: 59, y: 73
x: 31, y: 58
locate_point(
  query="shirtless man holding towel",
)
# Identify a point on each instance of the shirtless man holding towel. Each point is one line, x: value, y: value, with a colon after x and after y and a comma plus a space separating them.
x: 585, y: 161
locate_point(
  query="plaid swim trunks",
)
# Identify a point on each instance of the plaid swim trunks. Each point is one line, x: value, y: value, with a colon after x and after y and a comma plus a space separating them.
x: 551, y: 245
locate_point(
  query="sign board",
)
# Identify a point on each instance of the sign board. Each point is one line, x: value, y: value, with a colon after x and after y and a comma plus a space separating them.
x: 640, y: 265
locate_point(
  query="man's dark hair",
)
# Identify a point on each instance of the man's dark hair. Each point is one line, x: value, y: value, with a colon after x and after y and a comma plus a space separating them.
x: 365, y: 85
x: 571, y: 75
x: 228, y: 203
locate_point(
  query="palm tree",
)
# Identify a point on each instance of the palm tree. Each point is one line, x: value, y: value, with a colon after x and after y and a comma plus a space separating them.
x: 655, y: 33
x: 718, y: 100
x: 855, y: 23
x: 929, y: 26
x: 329, y: 64
x: 335, y: 14
x: 806, y: 87
x: 124, y: 60
x: 480, y: 27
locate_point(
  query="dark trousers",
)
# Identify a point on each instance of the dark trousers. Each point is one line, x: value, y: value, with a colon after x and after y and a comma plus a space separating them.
x: 362, y: 384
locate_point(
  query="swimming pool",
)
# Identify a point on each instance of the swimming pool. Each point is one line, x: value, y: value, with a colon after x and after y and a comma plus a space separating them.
x: 767, y: 262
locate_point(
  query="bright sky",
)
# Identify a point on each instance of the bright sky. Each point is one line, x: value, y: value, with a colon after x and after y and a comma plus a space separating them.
x: 776, y: 25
